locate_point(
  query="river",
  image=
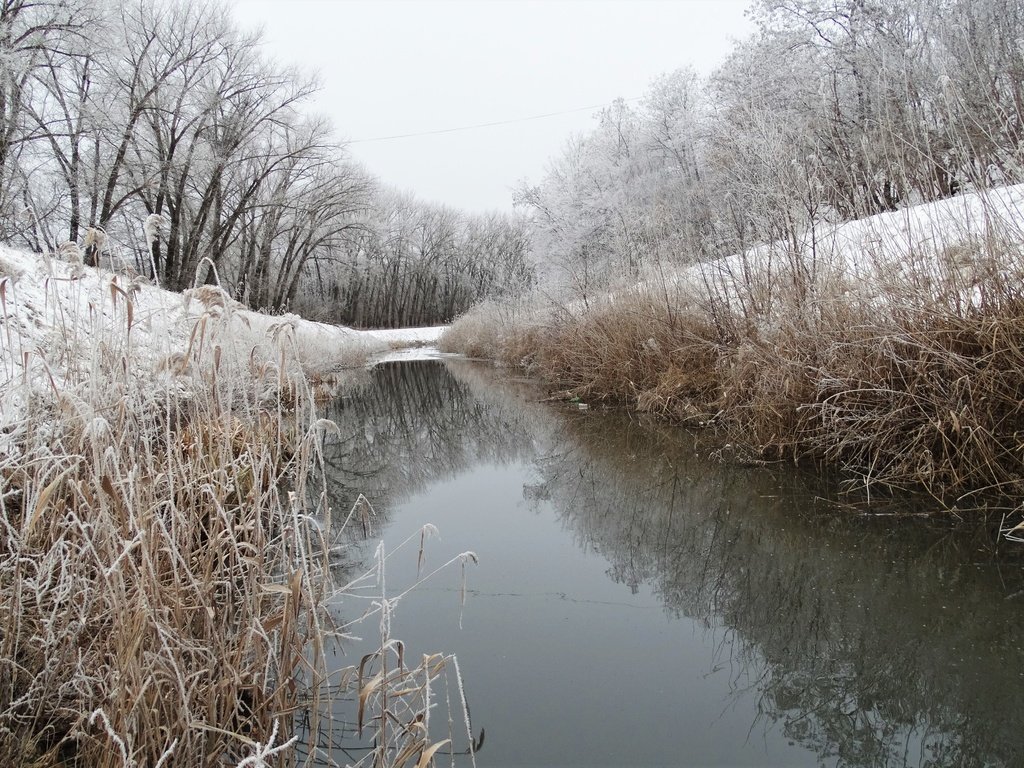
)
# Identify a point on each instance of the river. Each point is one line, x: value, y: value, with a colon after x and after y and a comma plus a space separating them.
x: 638, y: 602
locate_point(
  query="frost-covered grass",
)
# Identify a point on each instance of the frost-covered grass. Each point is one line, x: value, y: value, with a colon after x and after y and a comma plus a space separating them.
x: 165, y: 556
x: 507, y: 330
x: 890, y: 347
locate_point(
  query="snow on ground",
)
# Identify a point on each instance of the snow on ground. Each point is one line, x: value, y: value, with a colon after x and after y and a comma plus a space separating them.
x: 56, y: 317
x: 399, y: 337
x: 915, y: 245
x: 393, y: 344
x: 918, y: 245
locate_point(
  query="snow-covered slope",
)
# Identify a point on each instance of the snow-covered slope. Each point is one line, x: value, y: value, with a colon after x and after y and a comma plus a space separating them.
x: 916, y: 245
x: 57, y: 319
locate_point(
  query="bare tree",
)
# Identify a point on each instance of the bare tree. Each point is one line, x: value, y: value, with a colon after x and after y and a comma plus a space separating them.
x: 32, y: 34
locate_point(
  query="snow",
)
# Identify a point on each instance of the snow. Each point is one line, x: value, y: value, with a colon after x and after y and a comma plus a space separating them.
x: 914, y: 245
x: 58, y: 318
x: 406, y: 336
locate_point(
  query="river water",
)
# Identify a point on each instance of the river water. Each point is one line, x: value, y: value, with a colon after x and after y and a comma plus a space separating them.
x: 639, y: 603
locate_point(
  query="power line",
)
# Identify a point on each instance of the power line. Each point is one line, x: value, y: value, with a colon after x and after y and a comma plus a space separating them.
x: 487, y: 125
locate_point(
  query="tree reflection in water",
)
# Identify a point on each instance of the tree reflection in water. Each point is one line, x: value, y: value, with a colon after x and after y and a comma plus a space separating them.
x: 888, y: 641
x: 410, y: 424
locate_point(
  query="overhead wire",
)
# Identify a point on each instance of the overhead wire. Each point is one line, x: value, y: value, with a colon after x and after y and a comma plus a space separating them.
x: 487, y: 125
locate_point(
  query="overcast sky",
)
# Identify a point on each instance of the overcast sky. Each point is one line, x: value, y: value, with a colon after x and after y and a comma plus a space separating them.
x: 389, y: 68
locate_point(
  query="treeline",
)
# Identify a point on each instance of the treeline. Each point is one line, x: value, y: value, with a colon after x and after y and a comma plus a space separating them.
x: 831, y: 111
x: 411, y: 263
x: 157, y: 136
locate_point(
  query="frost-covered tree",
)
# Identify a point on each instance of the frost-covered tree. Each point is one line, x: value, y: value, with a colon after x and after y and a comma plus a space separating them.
x: 979, y: 77
x: 627, y: 196
x: 35, y: 37
x: 299, y: 219
x: 407, y: 262
x: 170, y: 113
x: 895, y: 101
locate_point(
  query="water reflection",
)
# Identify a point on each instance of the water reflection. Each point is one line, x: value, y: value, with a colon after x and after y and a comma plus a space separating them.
x: 866, y: 641
x: 888, y: 642
x: 411, y: 424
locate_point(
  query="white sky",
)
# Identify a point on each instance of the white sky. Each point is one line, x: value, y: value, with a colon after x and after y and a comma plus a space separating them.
x: 390, y: 67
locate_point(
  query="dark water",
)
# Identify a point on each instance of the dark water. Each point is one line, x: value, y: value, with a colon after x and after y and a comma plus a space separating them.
x: 636, y: 603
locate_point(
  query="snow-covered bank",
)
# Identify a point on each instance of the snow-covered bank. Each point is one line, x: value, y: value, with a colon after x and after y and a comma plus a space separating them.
x: 922, y: 242
x: 56, y: 316
x: 162, y: 501
x: 921, y: 245
x: 395, y: 344
x: 890, y: 347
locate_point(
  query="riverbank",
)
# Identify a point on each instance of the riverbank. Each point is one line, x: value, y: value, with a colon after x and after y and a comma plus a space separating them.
x: 889, y: 348
x: 165, y: 564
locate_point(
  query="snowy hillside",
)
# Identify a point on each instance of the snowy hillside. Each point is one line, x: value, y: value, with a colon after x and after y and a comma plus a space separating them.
x: 921, y: 246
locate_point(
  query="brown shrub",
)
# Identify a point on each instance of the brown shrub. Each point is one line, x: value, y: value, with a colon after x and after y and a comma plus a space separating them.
x: 911, y: 382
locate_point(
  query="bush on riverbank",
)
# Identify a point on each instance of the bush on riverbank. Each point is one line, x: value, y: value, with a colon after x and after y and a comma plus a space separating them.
x: 897, y: 360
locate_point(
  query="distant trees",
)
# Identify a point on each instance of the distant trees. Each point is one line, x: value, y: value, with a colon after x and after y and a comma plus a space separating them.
x: 621, y: 197
x: 412, y: 263
x: 163, y: 112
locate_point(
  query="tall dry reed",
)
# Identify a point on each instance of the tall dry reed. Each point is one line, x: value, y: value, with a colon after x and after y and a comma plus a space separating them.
x: 167, y: 560
x: 159, y: 584
x: 900, y: 366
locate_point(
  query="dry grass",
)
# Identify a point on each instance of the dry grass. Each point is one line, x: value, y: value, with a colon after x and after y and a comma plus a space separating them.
x: 397, y: 700
x: 159, y: 587
x: 165, y: 565
x: 634, y: 350
x: 507, y: 331
x: 932, y: 400
x: 909, y: 381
